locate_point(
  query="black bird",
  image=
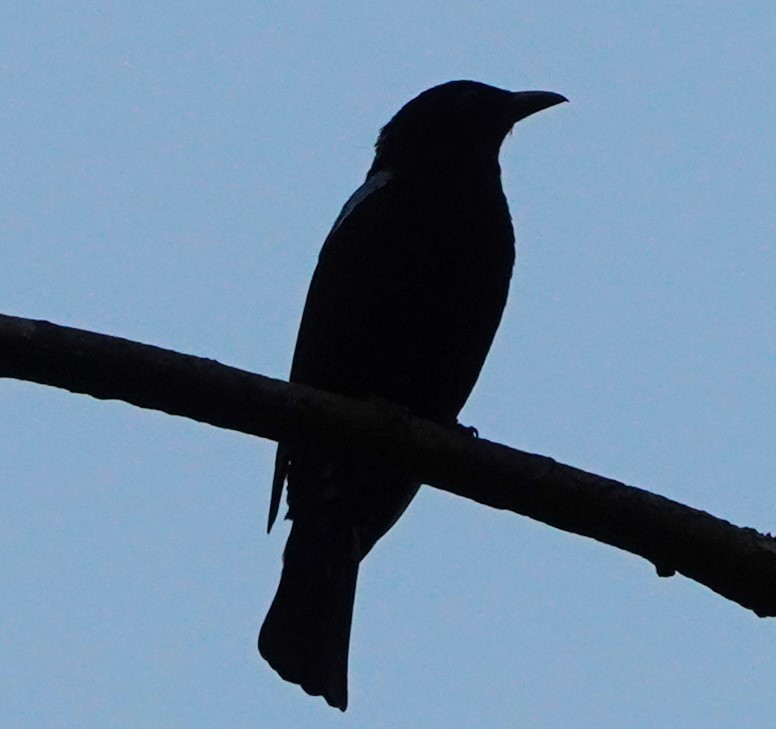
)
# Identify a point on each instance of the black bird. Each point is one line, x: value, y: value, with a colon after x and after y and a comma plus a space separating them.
x: 403, y: 306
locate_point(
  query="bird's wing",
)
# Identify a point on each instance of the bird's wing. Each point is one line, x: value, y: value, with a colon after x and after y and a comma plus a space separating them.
x: 336, y: 314
x: 313, y: 359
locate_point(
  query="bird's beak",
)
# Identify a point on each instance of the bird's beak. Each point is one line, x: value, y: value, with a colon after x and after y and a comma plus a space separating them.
x: 525, y: 103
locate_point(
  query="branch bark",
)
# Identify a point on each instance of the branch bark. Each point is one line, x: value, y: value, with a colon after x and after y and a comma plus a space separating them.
x: 738, y: 563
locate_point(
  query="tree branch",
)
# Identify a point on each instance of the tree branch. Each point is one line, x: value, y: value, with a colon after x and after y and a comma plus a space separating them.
x: 738, y: 563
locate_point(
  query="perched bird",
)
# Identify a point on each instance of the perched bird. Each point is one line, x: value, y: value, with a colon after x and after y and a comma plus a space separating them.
x: 403, y: 306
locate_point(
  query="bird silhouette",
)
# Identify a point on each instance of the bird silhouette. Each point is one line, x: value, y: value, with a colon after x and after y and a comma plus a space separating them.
x: 407, y: 295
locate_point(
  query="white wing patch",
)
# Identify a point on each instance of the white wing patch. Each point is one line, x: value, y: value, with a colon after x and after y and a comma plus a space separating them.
x: 375, y: 182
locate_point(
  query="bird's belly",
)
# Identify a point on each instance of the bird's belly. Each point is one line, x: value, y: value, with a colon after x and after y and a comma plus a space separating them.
x: 426, y: 348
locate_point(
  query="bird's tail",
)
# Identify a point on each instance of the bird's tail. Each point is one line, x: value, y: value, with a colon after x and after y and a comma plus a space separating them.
x: 306, y: 634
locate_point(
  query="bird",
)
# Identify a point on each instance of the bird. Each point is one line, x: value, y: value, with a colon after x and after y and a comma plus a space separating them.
x: 408, y: 292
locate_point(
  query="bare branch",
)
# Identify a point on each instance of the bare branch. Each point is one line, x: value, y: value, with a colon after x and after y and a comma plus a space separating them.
x: 738, y: 563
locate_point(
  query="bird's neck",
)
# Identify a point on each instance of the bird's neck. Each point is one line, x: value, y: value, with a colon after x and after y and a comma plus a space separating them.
x: 451, y: 173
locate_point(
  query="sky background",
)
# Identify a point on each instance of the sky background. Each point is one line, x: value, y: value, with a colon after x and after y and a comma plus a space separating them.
x: 169, y: 172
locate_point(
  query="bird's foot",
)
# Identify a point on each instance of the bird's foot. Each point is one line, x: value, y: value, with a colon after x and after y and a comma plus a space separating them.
x: 469, y: 430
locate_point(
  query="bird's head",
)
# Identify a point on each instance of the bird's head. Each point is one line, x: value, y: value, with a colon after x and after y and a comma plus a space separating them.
x: 457, y: 122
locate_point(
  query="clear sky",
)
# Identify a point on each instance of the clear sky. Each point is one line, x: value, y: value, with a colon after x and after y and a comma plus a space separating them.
x: 169, y: 173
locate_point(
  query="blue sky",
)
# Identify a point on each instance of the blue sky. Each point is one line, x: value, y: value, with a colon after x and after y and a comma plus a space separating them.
x: 170, y: 172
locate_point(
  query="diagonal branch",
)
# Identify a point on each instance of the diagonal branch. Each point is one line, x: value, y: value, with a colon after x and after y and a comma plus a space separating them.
x: 738, y: 563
